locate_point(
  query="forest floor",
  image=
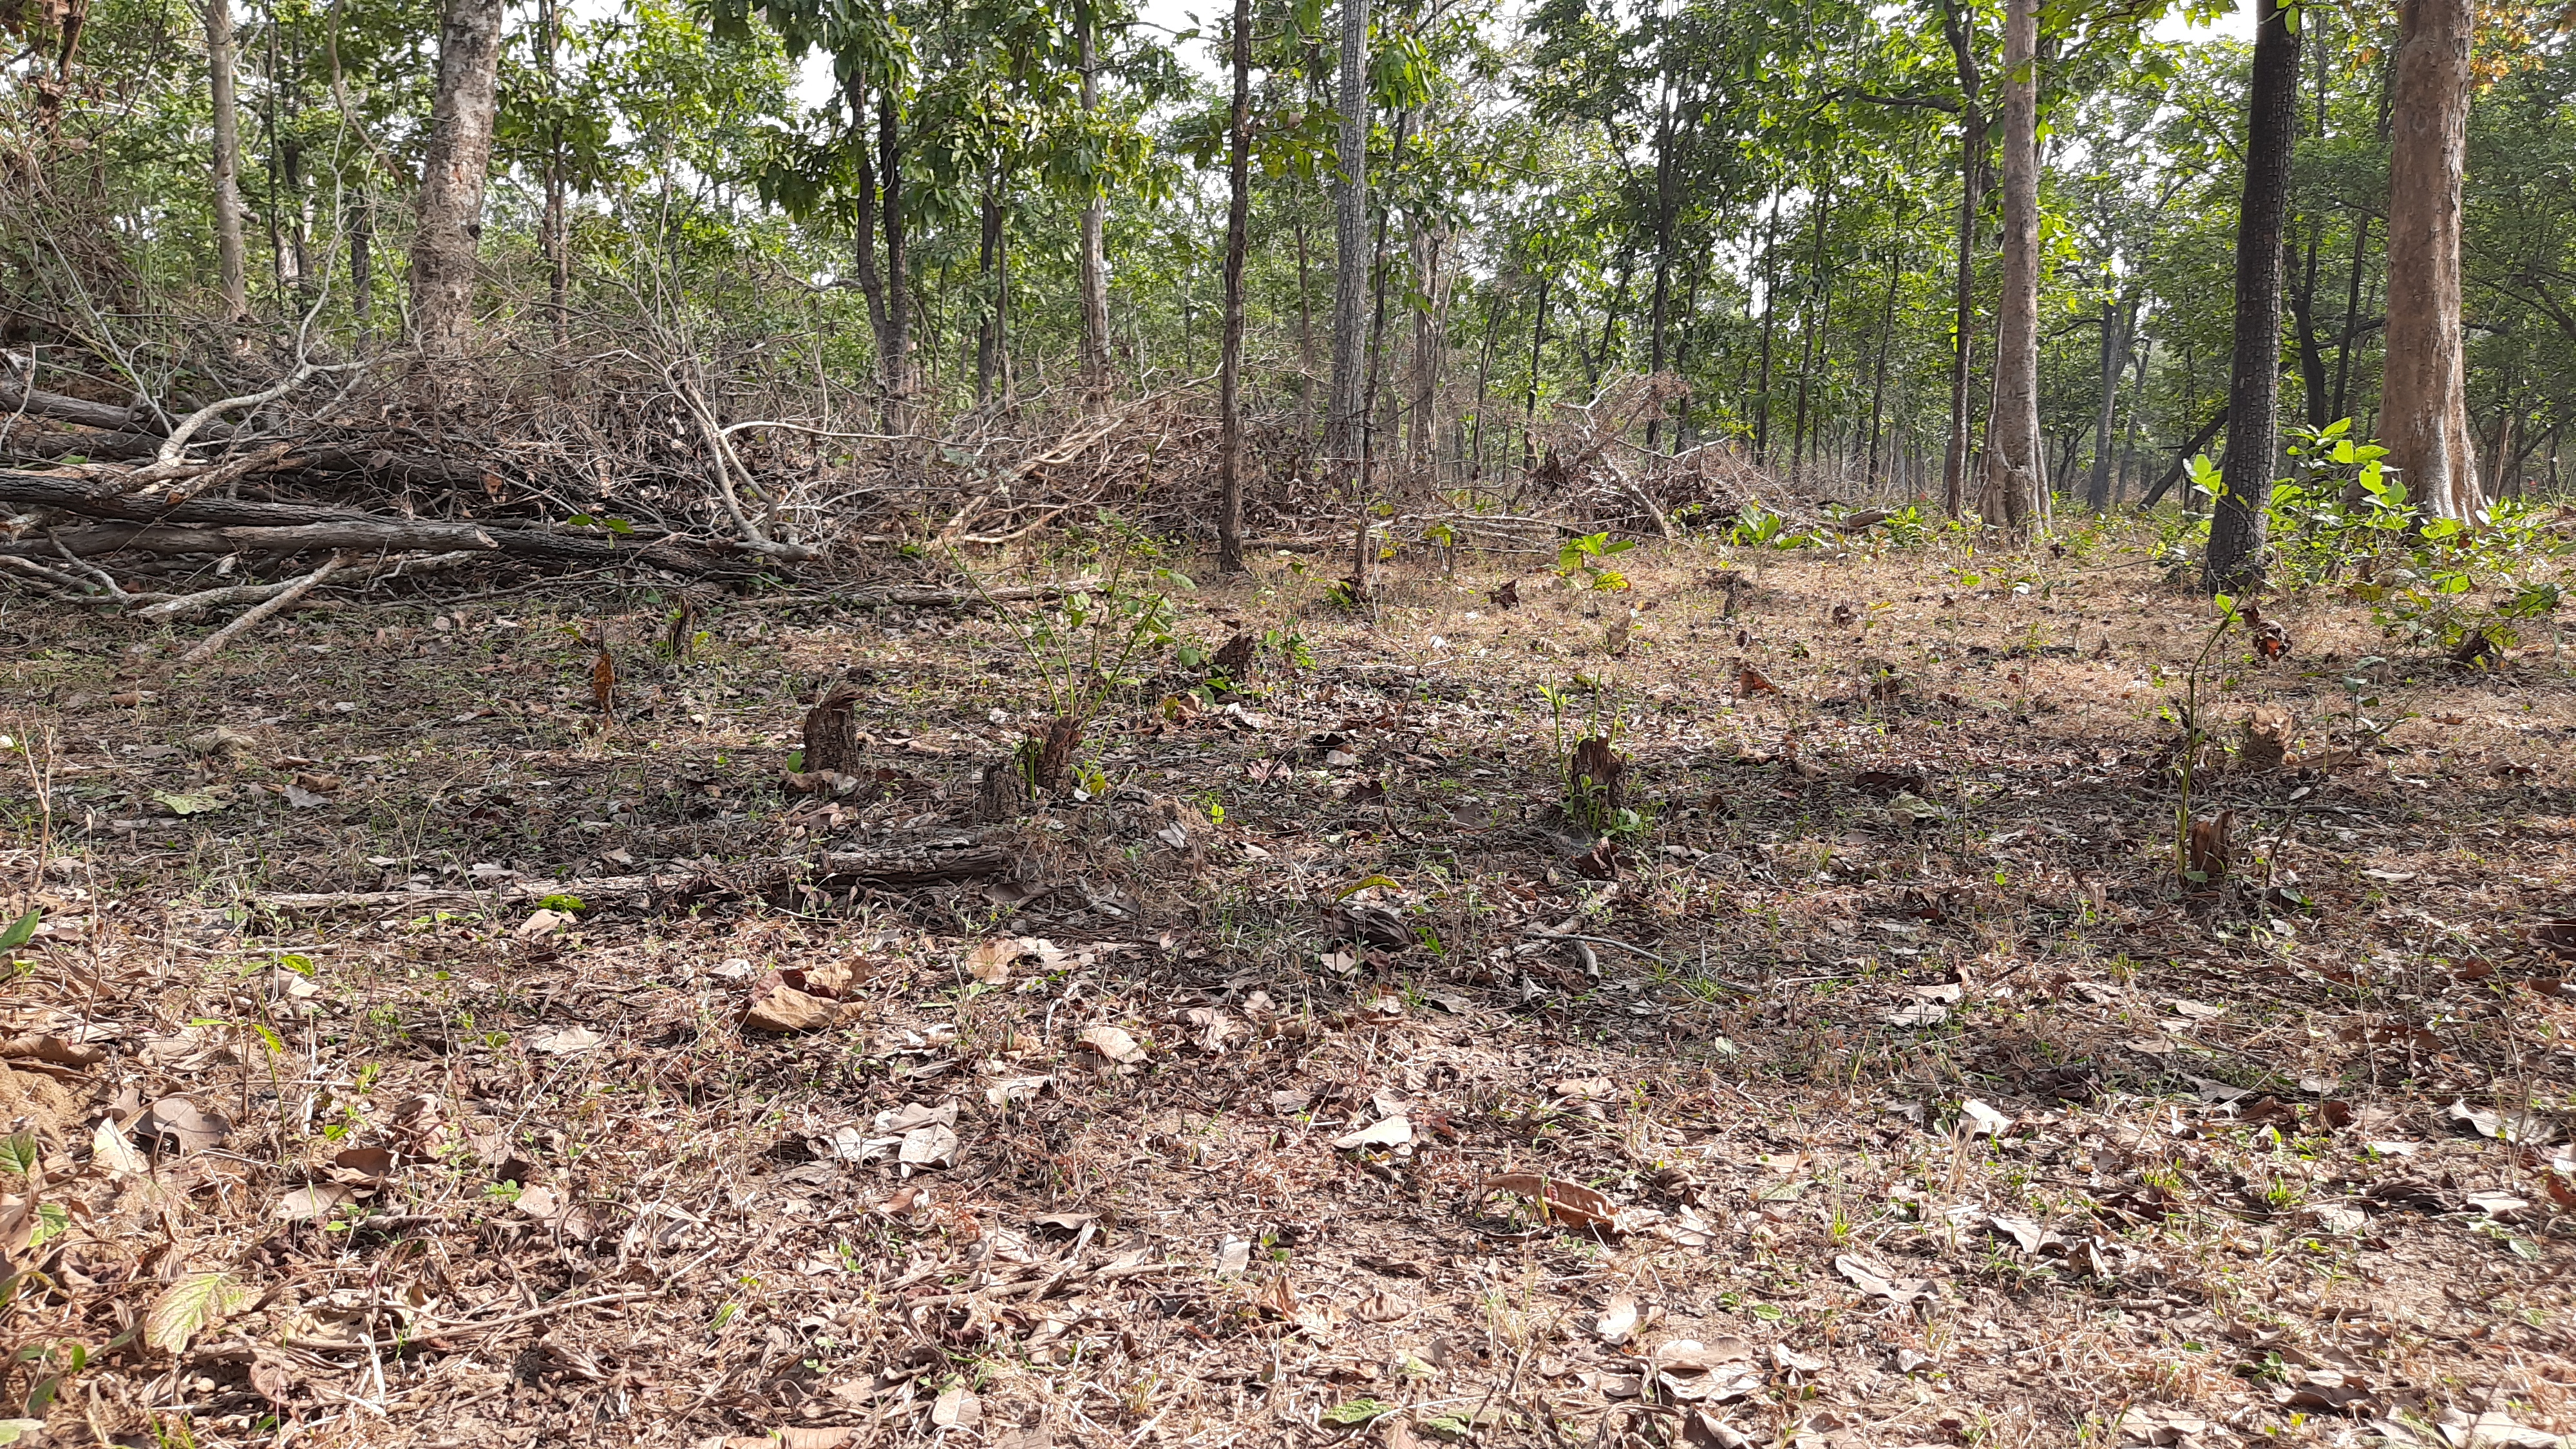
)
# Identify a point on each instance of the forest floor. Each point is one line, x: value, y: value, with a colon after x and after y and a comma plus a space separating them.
x: 1889, y: 1088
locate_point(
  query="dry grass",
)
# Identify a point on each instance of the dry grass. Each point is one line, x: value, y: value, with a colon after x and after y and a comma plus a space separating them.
x: 2237, y: 1199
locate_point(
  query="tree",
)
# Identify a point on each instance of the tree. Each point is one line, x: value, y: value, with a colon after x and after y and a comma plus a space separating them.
x: 2234, y: 561
x: 1342, y: 419
x: 2016, y: 482
x: 1238, y: 226
x: 2423, y: 397
x: 227, y: 166
x: 1093, y: 276
x: 1958, y: 26
x: 445, y: 247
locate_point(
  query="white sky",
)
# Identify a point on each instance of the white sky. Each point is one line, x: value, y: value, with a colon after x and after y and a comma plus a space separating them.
x: 814, y: 85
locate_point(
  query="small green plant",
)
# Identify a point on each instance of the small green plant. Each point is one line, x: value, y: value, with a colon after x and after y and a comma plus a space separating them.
x: 1091, y: 642
x: 1581, y: 562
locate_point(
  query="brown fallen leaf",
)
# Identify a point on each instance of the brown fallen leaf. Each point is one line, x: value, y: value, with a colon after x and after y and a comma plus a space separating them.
x: 1383, y: 1307
x: 1387, y: 1132
x: 1750, y: 681
x: 1112, y: 1043
x: 784, y: 1009
x: 308, y: 1203
x: 183, y: 1121
x: 60, y: 1050
x: 1568, y: 1201
x: 1869, y: 1280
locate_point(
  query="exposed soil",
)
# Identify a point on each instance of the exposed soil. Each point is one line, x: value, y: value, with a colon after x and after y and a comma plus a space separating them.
x: 1881, y: 1057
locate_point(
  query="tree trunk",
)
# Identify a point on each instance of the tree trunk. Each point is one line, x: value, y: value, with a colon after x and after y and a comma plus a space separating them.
x: 1342, y: 409
x: 1878, y: 372
x: 555, y: 244
x: 1430, y: 248
x: 1094, y: 270
x: 1529, y: 406
x: 1958, y: 24
x: 2016, y: 481
x: 2351, y: 328
x: 2235, y: 559
x: 896, y: 345
x: 1820, y: 297
x: 2302, y: 301
x: 990, y: 341
x: 2097, y: 489
x: 1238, y: 226
x: 2423, y: 399
x: 230, y: 271
x: 459, y: 154
x: 1770, y: 316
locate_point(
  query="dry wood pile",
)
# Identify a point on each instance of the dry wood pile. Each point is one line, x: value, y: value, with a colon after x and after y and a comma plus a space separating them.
x: 326, y: 479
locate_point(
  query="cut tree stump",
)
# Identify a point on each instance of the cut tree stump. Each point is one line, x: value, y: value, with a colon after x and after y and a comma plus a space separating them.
x: 831, y: 733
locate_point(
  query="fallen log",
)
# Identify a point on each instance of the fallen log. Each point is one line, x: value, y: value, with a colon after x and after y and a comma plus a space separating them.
x: 85, y: 498
x: 916, y: 867
x: 64, y: 408
x: 395, y: 536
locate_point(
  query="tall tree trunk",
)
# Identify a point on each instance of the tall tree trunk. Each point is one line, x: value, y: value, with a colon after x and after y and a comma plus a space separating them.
x: 2423, y: 399
x: 1342, y: 415
x: 554, y: 244
x: 2303, y: 314
x: 2235, y: 558
x: 1770, y: 317
x: 1430, y: 249
x: 230, y: 270
x: 362, y: 264
x: 1305, y: 334
x: 2016, y: 481
x: 2351, y: 328
x: 990, y: 343
x: 2097, y: 489
x: 459, y: 155
x: 1958, y: 23
x: 1238, y: 228
x: 1664, y: 207
x: 863, y: 256
x: 895, y: 347
x: 1820, y: 298
x: 1094, y: 277
x: 1529, y: 406
x: 1878, y: 373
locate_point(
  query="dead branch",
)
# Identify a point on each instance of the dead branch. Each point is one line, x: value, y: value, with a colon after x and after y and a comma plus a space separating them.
x: 916, y: 867
x: 214, y: 643
x: 395, y: 536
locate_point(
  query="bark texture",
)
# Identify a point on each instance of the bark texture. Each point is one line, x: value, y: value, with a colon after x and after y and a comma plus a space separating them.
x: 2235, y: 558
x: 459, y: 156
x: 2423, y: 406
x: 2016, y: 481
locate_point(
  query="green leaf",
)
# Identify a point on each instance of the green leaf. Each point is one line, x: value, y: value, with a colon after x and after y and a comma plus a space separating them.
x: 21, y: 930
x: 620, y: 525
x: 1357, y: 1411
x: 559, y: 903
x: 191, y: 1306
x: 1346, y: 892
x: 20, y: 1154
x: 13, y: 1431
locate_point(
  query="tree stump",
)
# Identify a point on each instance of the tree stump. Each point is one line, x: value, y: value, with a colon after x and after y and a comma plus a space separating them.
x: 1048, y: 752
x: 831, y: 733
x: 1593, y: 782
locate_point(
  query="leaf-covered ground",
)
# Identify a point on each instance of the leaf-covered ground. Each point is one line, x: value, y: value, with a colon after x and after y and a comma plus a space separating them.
x: 1886, y: 1087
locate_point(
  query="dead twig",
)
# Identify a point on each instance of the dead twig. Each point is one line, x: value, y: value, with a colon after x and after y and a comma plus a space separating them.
x: 214, y: 643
